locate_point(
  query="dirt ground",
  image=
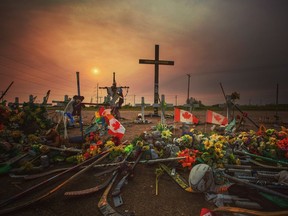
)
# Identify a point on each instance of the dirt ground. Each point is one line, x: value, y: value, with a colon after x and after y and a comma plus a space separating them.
x: 138, y: 195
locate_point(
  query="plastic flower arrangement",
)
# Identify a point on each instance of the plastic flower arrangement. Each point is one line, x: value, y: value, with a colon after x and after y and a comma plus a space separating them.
x: 264, y: 142
x: 128, y: 148
x: 190, y: 157
x: 160, y: 127
x: 94, y: 149
x: 115, y: 150
x: 216, y: 151
x: 109, y: 144
x: 166, y: 134
x: 76, y: 158
x: 283, y: 146
x: 186, y: 140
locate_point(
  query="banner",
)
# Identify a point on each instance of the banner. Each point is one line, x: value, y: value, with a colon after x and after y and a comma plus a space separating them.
x: 184, y: 116
x: 216, y: 118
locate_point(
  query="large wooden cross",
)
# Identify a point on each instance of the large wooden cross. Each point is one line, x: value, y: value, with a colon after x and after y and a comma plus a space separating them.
x: 156, y: 62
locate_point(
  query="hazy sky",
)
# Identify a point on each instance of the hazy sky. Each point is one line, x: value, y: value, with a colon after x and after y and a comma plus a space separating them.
x: 241, y: 43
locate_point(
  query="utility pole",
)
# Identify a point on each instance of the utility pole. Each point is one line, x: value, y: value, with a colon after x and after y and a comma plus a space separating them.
x: 97, y: 93
x: 188, y: 88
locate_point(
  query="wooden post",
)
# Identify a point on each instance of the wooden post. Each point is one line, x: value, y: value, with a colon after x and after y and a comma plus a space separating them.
x: 78, y: 89
x: 97, y: 94
x: 3, y: 93
x: 78, y: 83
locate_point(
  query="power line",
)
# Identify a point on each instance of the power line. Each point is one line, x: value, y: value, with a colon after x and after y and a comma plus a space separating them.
x: 29, y: 66
x: 41, y: 80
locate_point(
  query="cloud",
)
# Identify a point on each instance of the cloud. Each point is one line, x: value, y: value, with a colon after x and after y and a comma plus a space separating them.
x: 242, y: 44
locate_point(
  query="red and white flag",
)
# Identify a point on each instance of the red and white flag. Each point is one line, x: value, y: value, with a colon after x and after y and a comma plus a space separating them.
x: 115, y: 128
x: 215, y: 118
x: 184, y: 116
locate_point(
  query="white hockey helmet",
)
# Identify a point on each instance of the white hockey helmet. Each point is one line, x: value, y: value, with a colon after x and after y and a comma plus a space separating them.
x: 201, y: 178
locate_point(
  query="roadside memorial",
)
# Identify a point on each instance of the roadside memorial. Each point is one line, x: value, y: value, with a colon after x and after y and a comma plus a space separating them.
x: 109, y: 147
x: 257, y: 157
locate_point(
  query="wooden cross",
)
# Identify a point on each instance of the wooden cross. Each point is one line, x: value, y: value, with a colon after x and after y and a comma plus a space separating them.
x: 163, y: 105
x: 143, y: 105
x: 156, y: 62
x: 112, y: 91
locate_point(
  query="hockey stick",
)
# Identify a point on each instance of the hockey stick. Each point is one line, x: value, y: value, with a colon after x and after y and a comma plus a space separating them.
x: 99, y: 158
x: 262, y: 157
x: 250, y: 212
x: 177, y: 178
x: 93, y: 189
x: 103, y: 204
x: 117, y: 189
x: 255, y: 186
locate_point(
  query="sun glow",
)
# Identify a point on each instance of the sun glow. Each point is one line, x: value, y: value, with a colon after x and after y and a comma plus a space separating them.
x: 95, y: 70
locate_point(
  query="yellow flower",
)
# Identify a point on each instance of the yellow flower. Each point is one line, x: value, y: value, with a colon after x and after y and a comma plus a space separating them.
x: 245, y: 139
x: 139, y: 143
x: 186, y: 139
x: 219, y: 153
x: 80, y: 158
x: 218, y: 145
x: 214, y: 137
x: 109, y: 144
x: 166, y: 134
x: 145, y: 148
x: 272, y: 140
x: 208, y: 144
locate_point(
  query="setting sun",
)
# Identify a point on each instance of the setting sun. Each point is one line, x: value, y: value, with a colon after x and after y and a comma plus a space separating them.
x: 95, y: 70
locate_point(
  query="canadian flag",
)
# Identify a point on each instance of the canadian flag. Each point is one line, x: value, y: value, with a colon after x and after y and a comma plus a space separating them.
x: 184, y: 116
x: 215, y: 118
x: 115, y: 128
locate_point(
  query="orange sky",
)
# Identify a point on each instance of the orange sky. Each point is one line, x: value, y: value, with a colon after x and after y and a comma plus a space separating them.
x: 241, y: 44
